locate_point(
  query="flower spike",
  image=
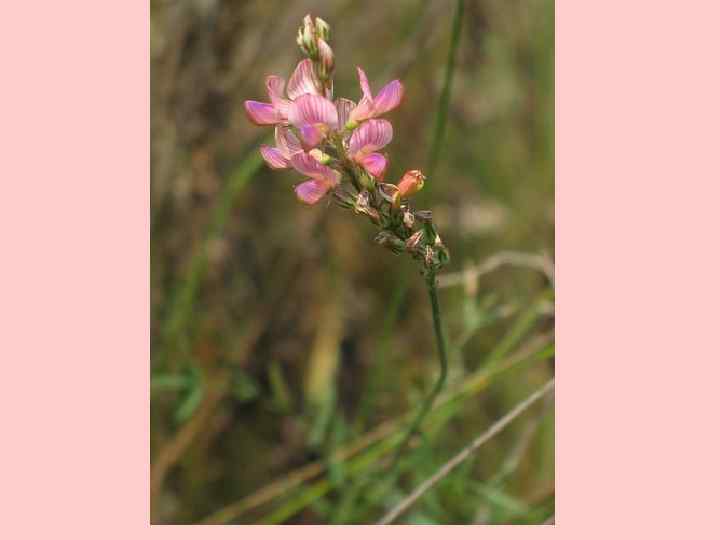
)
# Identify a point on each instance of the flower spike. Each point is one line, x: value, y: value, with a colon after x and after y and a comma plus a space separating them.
x: 339, y: 148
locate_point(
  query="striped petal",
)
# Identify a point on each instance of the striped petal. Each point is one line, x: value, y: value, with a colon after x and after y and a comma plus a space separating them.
x: 311, y: 109
x: 344, y: 107
x: 306, y: 164
x: 312, y: 135
x: 363, y: 111
x: 364, y: 83
x: 274, y: 157
x: 302, y: 81
x: 311, y: 191
x: 287, y: 142
x: 388, y: 98
x: 370, y: 137
x: 375, y: 164
x: 262, y: 114
x: 275, y: 86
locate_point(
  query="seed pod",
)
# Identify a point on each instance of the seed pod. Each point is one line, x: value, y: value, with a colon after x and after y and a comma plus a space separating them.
x: 390, y: 241
x: 389, y: 192
x: 414, y: 241
x: 429, y: 257
x: 362, y: 206
x: 408, y: 219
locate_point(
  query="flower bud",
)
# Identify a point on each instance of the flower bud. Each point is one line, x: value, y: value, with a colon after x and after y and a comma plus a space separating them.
x: 306, y: 37
x: 366, y: 181
x: 323, y: 29
x: 411, y: 183
x: 327, y: 59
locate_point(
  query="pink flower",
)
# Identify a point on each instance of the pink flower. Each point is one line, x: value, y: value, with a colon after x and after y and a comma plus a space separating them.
x: 314, y: 116
x: 303, y: 81
x: 386, y: 100
x: 322, y: 178
x: 287, y: 145
x: 366, y: 140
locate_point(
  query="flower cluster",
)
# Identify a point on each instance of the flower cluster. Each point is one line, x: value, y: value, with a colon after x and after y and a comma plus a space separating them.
x: 336, y: 145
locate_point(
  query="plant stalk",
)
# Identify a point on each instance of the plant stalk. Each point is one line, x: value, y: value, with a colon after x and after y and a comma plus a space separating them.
x: 442, y: 356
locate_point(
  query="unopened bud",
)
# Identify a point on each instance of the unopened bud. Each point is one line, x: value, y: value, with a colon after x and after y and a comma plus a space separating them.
x: 411, y: 183
x: 366, y: 181
x: 414, y: 241
x: 327, y: 59
x: 323, y: 29
x: 306, y: 37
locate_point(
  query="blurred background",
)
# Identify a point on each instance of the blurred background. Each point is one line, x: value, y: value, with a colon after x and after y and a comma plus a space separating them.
x: 288, y: 350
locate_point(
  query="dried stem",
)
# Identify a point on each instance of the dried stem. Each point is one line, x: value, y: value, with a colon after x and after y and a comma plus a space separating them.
x: 446, y: 469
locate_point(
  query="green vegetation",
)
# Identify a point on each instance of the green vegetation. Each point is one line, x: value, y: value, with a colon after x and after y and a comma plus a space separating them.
x: 289, y: 352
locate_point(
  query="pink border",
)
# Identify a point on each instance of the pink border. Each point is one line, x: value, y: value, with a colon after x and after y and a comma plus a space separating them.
x: 637, y: 195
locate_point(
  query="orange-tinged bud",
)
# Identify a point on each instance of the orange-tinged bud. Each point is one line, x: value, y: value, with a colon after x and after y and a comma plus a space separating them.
x: 411, y: 183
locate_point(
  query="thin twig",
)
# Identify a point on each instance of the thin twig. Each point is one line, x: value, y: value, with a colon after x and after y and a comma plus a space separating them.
x: 512, y: 258
x: 446, y: 469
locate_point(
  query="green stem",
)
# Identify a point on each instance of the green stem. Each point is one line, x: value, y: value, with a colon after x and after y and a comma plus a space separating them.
x: 444, y: 101
x: 442, y: 356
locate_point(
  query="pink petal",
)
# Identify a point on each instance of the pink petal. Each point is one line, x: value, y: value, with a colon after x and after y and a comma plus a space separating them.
x: 364, y: 83
x: 273, y: 157
x: 262, y: 114
x: 306, y: 164
x: 344, y: 107
x: 311, y: 191
x: 303, y: 80
x: 311, y: 135
x: 363, y: 111
x: 375, y: 164
x: 369, y: 137
x: 287, y: 142
x: 275, y: 86
x: 311, y: 109
x: 388, y: 98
